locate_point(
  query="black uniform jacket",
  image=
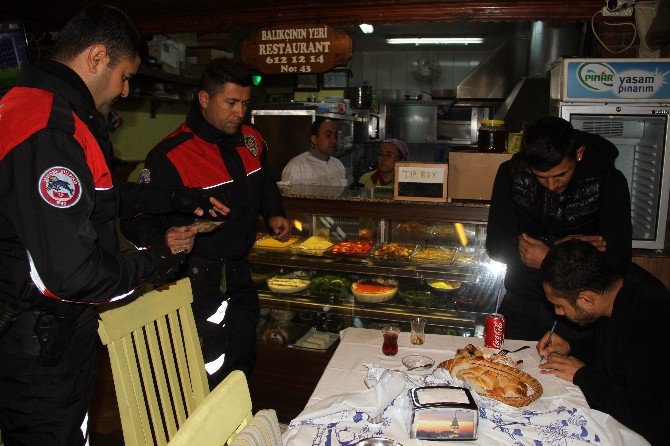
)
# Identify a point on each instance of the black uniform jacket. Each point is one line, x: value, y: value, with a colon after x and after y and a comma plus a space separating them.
x: 596, y: 202
x: 626, y: 362
x: 58, y: 201
x: 233, y: 167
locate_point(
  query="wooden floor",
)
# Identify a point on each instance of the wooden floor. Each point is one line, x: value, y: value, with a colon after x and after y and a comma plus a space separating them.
x: 104, y: 424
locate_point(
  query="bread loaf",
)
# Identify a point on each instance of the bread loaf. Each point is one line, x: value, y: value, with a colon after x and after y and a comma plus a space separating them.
x: 497, y: 381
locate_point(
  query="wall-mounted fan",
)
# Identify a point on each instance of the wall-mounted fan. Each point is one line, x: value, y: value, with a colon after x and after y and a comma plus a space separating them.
x: 425, y: 70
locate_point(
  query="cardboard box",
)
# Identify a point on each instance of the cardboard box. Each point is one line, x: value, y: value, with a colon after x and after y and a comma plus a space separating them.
x: 204, y: 55
x: 166, y: 53
x: 471, y: 175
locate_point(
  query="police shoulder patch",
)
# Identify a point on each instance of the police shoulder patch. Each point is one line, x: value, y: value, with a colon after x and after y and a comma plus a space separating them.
x: 144, y: 177
x: 60, y: 187
x: 252, y: 145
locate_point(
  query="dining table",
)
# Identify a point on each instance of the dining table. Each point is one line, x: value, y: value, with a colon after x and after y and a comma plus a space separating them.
x: 341, y: 408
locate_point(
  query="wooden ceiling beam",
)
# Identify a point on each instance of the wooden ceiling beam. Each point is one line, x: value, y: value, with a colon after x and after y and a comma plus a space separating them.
x: 397, y: 12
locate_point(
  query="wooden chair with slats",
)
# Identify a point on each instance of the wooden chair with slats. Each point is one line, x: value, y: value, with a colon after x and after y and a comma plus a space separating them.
x: 159, y: 374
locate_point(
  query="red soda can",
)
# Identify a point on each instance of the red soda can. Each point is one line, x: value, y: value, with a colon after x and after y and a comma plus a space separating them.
x: 494, y: 331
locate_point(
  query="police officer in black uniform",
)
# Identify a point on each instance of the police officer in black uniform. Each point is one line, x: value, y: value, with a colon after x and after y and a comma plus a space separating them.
x: 214, y: 150
x: 59, y: 254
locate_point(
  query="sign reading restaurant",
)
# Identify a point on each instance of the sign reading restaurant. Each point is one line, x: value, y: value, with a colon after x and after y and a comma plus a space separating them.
x: 298, y: 49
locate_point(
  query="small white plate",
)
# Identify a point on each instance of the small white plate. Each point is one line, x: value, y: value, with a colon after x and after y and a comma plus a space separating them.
x: 418, y: 362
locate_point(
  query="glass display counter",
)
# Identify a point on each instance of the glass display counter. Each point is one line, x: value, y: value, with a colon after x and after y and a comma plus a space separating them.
x: 358, y: 258
x: 352, y: 265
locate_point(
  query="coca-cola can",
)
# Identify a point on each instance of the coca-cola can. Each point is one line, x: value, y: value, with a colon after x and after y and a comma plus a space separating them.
x: 494, y: 331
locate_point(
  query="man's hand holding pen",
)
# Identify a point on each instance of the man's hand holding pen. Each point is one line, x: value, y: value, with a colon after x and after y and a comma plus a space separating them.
x: 554, y: 350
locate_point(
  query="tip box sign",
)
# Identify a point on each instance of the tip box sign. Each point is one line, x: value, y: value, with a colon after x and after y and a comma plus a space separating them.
x: 298, y: 49
x: 420, y: 182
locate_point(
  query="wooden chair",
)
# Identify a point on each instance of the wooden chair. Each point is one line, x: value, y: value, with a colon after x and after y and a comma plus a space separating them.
x: 159, y: 374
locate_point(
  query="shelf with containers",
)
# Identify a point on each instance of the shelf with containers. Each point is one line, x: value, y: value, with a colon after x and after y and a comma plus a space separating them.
x: 407, y: 259
x: 160, y: 87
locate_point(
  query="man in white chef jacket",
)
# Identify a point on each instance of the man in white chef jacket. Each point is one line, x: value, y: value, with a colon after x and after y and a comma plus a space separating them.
x: 318, y: 166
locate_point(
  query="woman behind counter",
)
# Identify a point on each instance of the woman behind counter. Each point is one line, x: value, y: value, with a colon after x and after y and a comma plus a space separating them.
x: 390, y: 151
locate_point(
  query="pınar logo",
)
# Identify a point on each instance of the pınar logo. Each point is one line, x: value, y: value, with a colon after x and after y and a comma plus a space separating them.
x: 596, y: 76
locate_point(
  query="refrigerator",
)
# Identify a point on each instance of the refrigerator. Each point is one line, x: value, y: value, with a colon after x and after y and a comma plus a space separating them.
x: 626, y: 101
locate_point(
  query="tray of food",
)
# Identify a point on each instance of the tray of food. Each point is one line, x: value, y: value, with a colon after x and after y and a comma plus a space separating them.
x: 375, y: 290
x: 280, y: 333
x: 270, y: 243
x: 439, y: 255
x: 416, y: 296
x: 313, y: 246
x: 290, y: 283
x: 356, y: 249
x: 444, y: 286
x: 393, y: 251
x: 316, y: 340
x: 466, y: 257
x: 331, y: 285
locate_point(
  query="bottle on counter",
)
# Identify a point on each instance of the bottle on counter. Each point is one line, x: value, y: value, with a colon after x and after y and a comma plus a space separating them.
x: 492, y: 136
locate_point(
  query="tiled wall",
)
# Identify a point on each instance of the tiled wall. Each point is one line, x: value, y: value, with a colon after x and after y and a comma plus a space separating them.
x: 391, y: 70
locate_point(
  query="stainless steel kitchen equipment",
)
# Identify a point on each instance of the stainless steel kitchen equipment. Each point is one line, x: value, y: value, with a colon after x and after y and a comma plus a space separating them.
x: 626, y: 101
x: 360, y: 97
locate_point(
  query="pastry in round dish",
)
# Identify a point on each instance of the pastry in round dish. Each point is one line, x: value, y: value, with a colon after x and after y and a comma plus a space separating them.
x: 374, y: 291
x: 287, y: 285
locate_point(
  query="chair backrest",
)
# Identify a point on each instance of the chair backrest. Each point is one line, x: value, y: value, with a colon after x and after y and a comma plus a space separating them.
x: 220, y: 417
x: 157, y: 364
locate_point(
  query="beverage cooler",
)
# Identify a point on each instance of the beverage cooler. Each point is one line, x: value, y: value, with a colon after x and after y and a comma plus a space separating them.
x: 626, y: 101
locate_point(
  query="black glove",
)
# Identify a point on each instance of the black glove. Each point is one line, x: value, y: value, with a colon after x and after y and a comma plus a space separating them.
x: 166, y: 264
x: 187, y: 200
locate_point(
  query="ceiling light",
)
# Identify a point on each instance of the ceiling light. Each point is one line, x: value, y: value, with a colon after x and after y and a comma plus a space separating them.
x: 366, y: 28
x: 434, y: 40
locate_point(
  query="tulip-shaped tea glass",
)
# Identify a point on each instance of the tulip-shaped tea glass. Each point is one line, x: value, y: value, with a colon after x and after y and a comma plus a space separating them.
x: 390, y: 333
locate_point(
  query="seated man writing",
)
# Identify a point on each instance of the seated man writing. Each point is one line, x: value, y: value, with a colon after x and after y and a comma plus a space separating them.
x: 621, y: 369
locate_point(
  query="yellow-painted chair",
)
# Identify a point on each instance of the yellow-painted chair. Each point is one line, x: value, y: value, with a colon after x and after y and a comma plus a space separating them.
x: 159, y: 375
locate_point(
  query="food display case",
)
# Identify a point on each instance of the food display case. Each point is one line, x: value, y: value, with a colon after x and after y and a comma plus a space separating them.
x: 358, y: 258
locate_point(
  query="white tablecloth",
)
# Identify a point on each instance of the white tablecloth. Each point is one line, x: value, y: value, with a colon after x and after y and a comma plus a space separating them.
x: 560, y: 417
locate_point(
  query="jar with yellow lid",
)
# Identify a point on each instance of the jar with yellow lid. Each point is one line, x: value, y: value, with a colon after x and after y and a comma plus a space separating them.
x: 492, y: 136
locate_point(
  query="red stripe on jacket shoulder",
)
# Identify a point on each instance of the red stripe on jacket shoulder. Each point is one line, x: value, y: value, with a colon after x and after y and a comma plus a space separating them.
x: 95, y: 159
x: 198, y: 162
x: 23, y: 111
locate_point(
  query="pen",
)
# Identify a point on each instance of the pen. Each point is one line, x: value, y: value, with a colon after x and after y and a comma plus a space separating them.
x: 551, y: 335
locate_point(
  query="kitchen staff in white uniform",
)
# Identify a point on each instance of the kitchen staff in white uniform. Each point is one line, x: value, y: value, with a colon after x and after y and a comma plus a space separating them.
x: 317, y: 166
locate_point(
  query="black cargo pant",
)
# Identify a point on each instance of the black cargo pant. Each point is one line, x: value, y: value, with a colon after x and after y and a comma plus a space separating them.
x: 235, y: 335
x: 42, y: 405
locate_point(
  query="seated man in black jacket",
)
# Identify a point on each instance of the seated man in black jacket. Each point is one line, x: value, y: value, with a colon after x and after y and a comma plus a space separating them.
x: 562, y: 185
x: 621, y: 368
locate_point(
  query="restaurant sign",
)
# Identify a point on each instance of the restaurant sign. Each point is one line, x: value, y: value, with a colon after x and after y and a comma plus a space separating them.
x: 299, y: 49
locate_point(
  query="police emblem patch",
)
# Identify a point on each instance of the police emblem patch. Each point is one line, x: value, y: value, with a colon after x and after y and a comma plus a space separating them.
x: 60, y: 187
x: 251, y: 144
x: 144, y: 177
